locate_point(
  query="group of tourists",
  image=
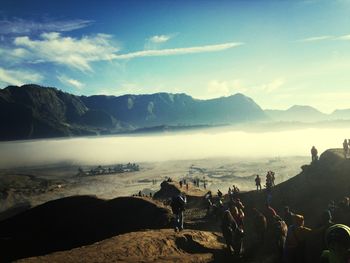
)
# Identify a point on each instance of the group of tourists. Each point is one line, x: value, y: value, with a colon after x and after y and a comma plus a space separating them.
x: 270, y: 181
x: 285, y: 235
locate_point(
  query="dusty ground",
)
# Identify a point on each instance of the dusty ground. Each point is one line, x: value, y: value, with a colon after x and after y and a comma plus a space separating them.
x: 156, y: 246
x: 35, y: 185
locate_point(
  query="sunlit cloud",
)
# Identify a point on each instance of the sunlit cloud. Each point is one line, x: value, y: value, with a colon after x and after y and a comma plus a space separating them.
x: 317, y: 38
x: 155, y: 42
x: 160, y: 38
x: 272, y: 86
x: 18, y: 77
x: 22, y: 26
x: 345, y: 37
x: 178, y: 51
x: 70, y: 82
x: 72, y: 52
x: 219, y: 88
x: 80, y: 53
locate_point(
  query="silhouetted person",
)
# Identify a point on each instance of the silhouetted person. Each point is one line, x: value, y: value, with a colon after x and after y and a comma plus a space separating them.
x: 229, y: 227
x: 238, y: 216
x: 288, y: 216
x: 219, y: 194
x: 260, y: 225
x: 258, y: 182
x: 345, y: 148
x: 272, y: 178
x: 295, y: 242
x: 180, y: 184
x: 178, y: 207
x: 314, y: 154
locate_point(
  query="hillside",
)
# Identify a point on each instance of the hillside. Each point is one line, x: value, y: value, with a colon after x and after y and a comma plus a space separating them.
x: 32, y: 111
x: 72, y: 222
x: 76, y: 221
x: 147, y: 246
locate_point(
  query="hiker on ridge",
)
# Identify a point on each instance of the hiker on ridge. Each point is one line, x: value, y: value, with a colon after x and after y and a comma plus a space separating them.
x: 314, y: 154
x: 178, y: 207
x: 258, y: 182
x: 345, y: 148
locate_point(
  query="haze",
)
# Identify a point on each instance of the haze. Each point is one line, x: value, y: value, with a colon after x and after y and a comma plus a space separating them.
x: 170, y: 146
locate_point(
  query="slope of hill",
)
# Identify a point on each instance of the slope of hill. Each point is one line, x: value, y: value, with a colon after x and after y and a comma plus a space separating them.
x: 341, y: 114
x: 32, y: 111
x: 147, y: 246
x: 81, y: 220
x: 76, y: 221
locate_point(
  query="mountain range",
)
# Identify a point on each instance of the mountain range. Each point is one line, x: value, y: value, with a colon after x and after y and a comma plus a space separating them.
x: 32, y: 111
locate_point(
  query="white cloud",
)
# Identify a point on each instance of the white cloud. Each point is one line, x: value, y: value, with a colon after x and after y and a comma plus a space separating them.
x: 328, y: 37
x: 217, y: 88
x: 72, y: 52
x: 22, y: 26
x: 271, y: 86
x: 80, y: 53
x: 344, y: 37
x: 18, y: 77
x: 155, y: 42
x: 313, y: 39
x: 160, y: 38
x: 178, y: 51
x: 71, y: 82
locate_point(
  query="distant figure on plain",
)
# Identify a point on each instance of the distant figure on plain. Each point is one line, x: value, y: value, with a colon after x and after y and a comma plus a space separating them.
x: 346, y: 148
x: 258, y: 182
x: 314, y: 154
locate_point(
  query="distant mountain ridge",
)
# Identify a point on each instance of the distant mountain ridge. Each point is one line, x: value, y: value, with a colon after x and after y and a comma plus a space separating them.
x: 304, y: 113
x: 32, y: 111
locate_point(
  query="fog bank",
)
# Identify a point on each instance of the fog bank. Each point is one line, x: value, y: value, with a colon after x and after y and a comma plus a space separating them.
x: 170, y: 146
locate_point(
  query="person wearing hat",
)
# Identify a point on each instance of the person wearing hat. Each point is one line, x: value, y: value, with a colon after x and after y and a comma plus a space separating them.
x: 338, y: 243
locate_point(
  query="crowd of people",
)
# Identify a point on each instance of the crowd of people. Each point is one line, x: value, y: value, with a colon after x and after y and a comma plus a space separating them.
x: 285, y: 234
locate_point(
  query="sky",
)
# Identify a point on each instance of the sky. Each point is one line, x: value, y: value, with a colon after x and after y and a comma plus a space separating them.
x: 280, y: 53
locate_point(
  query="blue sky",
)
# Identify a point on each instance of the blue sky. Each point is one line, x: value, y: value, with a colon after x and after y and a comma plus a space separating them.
x: 280, y: 53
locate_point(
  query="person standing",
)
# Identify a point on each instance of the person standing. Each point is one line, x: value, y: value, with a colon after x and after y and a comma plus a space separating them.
x: 314, y: 154
x: 345, y: 148
x: 177, y: 205
x: 258, y: 182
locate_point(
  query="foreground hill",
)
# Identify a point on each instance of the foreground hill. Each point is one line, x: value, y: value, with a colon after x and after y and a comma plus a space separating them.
x: 76, y: 221
x: 147, y: 246
x: 32, y: 111
x: 70, y: 223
